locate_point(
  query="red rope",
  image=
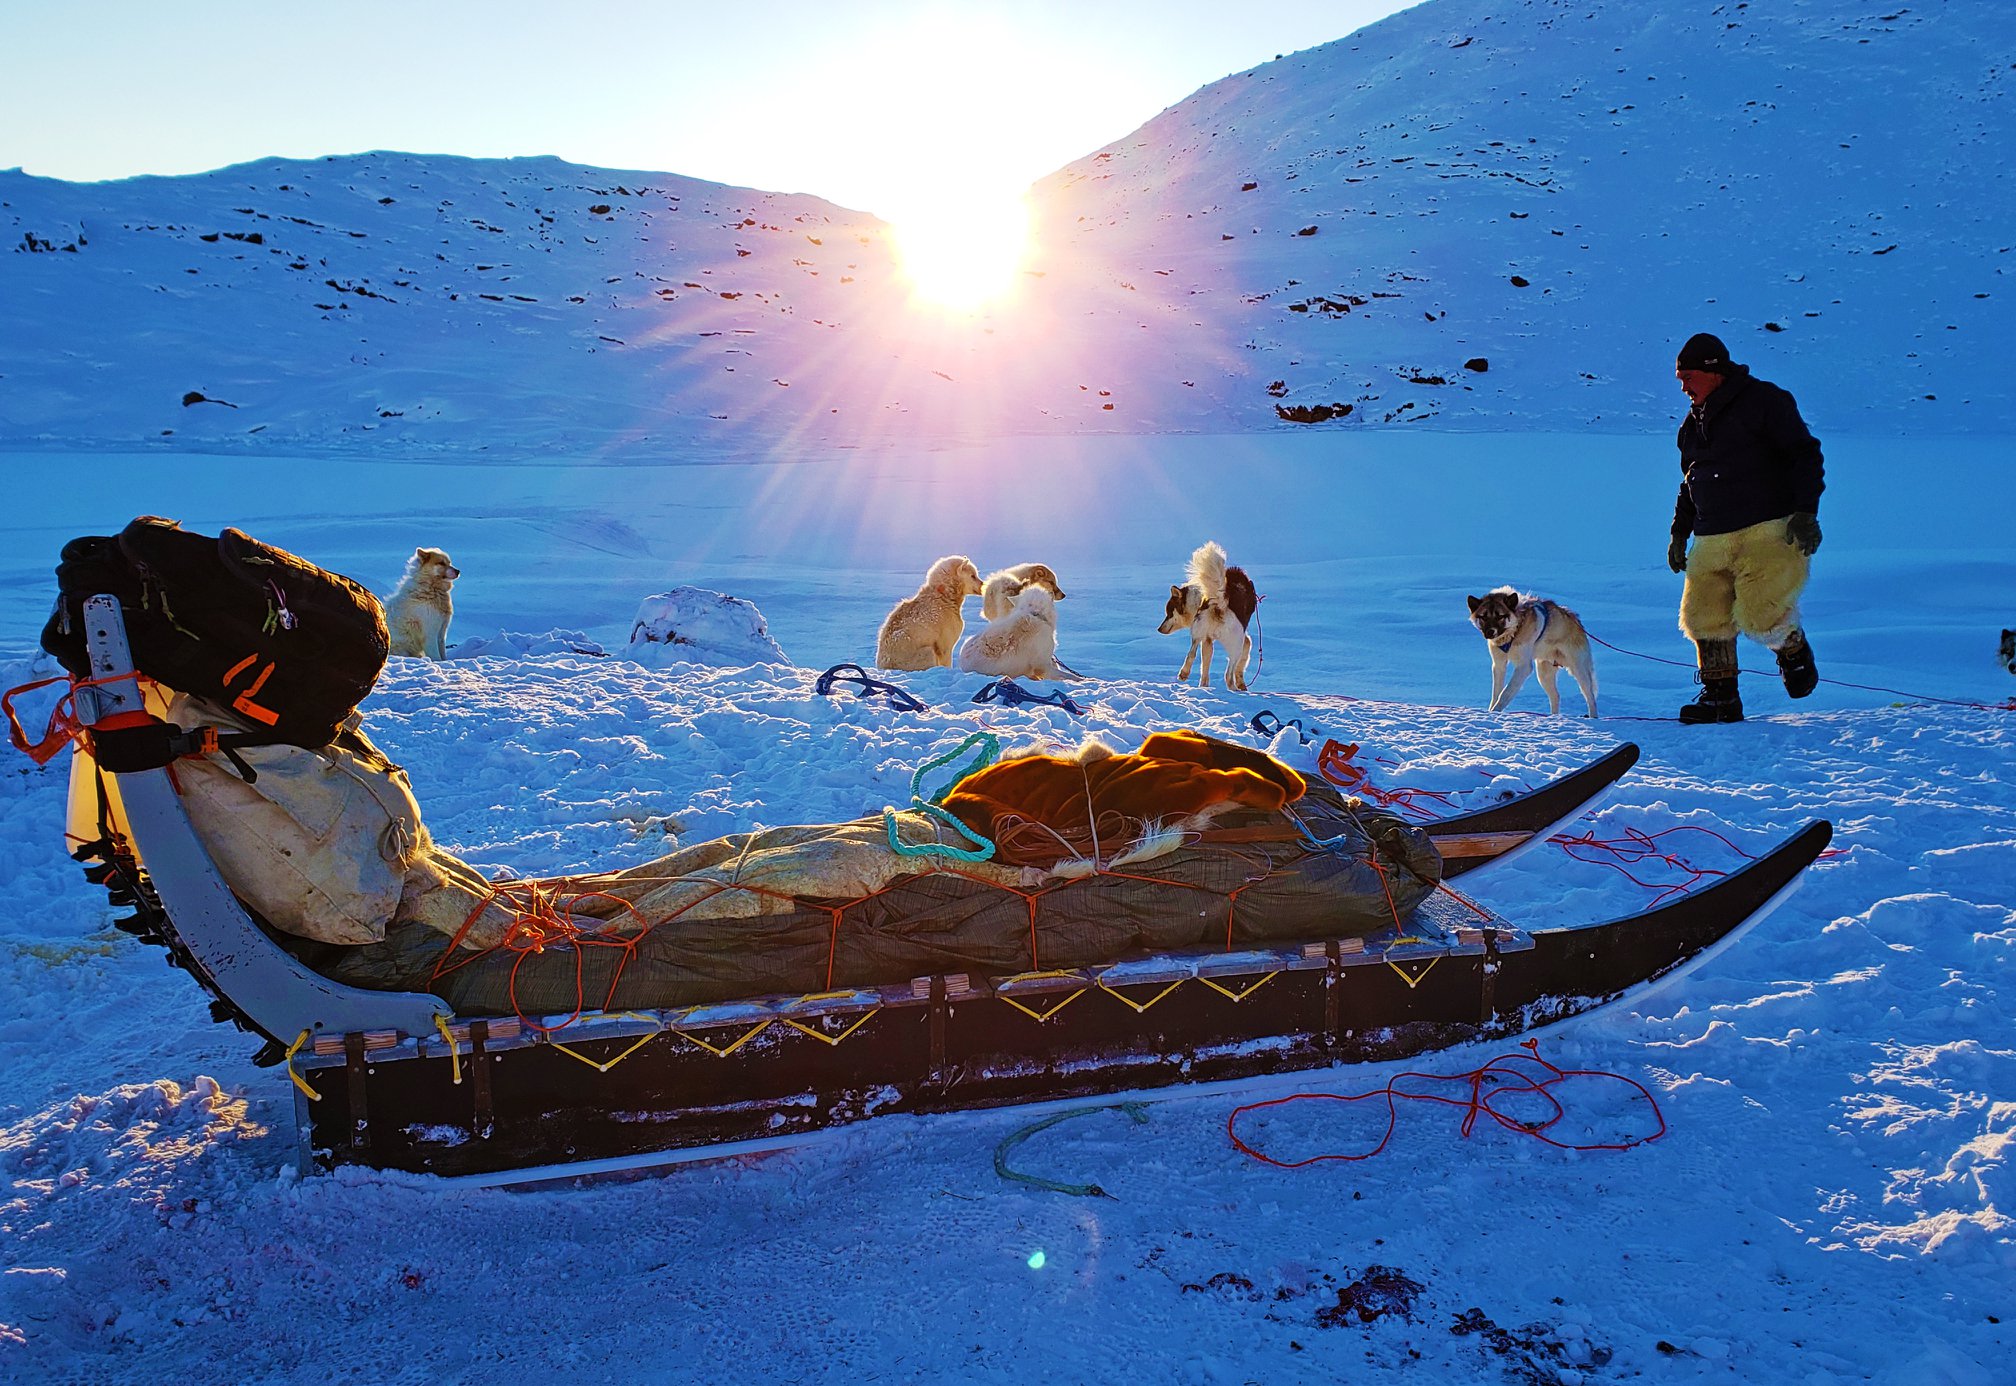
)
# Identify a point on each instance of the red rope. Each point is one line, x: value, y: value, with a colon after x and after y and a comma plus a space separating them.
x: 1504, y: 1078
x: 1337, y: 763
x: 63, y: 725
x: 1638, y: 846
x: 541, y: 918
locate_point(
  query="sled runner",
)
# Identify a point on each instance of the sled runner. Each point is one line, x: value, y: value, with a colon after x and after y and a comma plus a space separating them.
x: 395, y: 1079
x: 1503, y: 831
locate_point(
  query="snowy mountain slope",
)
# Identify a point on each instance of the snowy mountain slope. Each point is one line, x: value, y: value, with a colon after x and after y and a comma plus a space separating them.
x: 1559, y: 193
x: 1567, y: 190
x: 389, y: 300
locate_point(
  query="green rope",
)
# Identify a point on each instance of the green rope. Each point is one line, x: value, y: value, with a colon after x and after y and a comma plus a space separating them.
x: 1138, y: 1111
x: 982, y: 850
x: 990, y: 751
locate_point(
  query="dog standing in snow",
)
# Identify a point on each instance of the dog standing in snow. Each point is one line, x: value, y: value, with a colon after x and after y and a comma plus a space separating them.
x: 1022, y: 644
x: 1530, y: 635
x: 1216, y: 606
x: 419, y: 609
x: 921, y: 631
x: 2006, y: 656
x: 999, y: 591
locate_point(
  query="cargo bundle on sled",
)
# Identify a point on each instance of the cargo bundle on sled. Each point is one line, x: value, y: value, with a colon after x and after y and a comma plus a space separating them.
x: 713, y: 1008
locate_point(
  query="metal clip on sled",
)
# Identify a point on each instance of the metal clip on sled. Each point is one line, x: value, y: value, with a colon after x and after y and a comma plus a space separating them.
x: 230, y: 953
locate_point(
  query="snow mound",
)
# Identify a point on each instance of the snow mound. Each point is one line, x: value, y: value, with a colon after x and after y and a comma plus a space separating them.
x: 513, y: 644
x: 691, y: 625
x: 136, y: 1137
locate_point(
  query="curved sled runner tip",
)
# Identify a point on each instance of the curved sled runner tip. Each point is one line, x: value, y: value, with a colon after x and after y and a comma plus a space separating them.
x: 1506, y: 831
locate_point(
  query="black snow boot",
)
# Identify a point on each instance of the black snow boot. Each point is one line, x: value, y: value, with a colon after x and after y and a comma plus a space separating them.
x: 1795, y: 663
x: 1718, y: 700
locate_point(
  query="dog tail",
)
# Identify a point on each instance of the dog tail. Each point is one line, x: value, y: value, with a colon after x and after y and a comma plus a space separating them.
x: 1207, y: 570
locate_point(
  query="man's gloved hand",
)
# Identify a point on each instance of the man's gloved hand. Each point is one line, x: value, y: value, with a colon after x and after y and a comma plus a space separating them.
x: 1676, y: 554
x: 1802, y: 531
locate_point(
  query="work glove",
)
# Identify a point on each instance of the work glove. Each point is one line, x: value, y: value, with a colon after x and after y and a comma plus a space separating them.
x: 1676, y: 554
x: 1802, y: 532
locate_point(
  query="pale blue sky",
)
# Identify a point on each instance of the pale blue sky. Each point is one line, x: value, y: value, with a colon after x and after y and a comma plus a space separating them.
x: 844, y: 98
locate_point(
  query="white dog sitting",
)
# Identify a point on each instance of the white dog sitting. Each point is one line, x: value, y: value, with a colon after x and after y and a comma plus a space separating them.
x: 419, y: 609
x: 1022, y: 644
x: 999, y: 591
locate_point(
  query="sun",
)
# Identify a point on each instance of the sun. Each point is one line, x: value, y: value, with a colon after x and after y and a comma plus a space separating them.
x: 965, y: 250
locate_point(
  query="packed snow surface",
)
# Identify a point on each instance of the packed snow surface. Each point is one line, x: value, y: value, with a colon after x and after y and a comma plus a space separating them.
x: 1831, y: 1198
x: 634, y: 402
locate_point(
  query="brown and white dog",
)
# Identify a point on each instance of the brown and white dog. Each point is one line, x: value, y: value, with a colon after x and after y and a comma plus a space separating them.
x: 419, y: 609
x: 1022, y: 644
x: 1000, y: 589
x: 921, y: 630
x: 1531, y: 635
x: 1216, y: 606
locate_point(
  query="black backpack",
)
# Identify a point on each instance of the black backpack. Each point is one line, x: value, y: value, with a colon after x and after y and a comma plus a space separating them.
x: 288, y: 646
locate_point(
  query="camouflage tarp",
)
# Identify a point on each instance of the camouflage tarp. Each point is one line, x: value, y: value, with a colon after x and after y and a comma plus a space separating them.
x: 1254, y: 882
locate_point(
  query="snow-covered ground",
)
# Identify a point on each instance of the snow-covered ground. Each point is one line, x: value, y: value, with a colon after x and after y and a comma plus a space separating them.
x: 594, y: 387
x: 1831, y: 1202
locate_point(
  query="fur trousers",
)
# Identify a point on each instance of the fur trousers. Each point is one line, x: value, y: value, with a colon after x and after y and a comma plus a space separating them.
x: 1748, y: 580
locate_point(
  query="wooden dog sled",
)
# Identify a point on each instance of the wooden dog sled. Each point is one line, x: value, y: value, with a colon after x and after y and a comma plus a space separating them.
x: 396, y: 1080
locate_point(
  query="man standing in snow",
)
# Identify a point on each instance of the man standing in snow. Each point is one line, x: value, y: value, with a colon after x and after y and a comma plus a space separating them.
x: 1750, y: 483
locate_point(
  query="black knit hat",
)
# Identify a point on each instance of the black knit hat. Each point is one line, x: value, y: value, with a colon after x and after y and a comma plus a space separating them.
x: 1704, y: 352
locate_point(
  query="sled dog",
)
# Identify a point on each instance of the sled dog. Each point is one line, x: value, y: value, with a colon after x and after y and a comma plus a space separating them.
x: 1216, y: 606
x: 419, y: 609
x: 1530, y: 635
x: 921, y: 630
x: 998, y: 592
x: 1021, y: 644
x: 2006, y: 657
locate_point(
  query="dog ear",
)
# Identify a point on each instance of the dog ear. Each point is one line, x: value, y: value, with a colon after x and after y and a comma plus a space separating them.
x: 1474, y: 602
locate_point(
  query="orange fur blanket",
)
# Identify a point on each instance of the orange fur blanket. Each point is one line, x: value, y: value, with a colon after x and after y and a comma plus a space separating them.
x: 1099, y: 805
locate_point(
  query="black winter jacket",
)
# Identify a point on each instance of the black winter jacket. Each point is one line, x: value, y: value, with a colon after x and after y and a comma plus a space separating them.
x: 1745, y: 457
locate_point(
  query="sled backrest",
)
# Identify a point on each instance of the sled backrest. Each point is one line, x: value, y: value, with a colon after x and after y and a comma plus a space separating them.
x: 229, y: 952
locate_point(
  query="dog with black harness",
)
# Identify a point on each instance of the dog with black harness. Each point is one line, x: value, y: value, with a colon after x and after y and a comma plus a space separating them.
x: 1530, y: 635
